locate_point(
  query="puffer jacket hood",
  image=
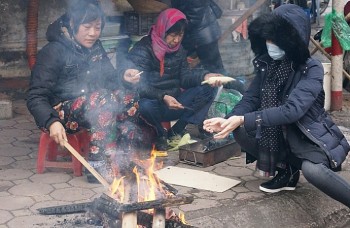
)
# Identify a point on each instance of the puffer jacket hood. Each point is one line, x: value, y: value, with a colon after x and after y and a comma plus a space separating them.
x: 60, y: 31
x: 288, y: 27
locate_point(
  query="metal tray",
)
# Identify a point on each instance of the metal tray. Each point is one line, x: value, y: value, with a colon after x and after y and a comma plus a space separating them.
x: 208, y: 152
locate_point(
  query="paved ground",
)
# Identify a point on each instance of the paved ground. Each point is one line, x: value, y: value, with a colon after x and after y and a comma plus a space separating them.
x: 22, y: 190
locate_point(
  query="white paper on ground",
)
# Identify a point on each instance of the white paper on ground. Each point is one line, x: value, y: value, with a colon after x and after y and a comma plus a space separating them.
x: 195, y: 179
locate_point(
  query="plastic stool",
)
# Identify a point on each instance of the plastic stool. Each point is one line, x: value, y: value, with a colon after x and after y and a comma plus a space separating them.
x: 48, y: 151
x: 166, y: 125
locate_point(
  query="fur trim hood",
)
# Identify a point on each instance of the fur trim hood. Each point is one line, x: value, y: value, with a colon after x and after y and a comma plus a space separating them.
x: 288, y: 27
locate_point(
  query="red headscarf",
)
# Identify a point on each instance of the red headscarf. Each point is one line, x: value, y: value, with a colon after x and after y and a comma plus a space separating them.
x: 165, y: 21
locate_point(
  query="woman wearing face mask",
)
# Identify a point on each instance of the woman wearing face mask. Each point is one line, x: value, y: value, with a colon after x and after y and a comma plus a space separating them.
x: 74, y: 85
x: 280, y: 121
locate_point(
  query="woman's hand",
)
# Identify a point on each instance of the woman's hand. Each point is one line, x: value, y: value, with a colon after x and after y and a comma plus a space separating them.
x: 211, y: 75
x: 214, y: 124
x: 172, y: 103
x: 132, y: 75
x: 58, y: 133
x: 222, y: 126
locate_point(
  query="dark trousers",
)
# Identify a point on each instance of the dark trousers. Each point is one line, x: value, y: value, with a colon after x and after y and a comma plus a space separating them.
x: 198, y: 98
x: 317, y: 172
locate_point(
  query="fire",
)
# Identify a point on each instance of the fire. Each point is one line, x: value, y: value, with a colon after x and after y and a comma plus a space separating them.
x: 143, y: 180
x: 117, y: 187
x: 147, y: 184
x: 182, y: 217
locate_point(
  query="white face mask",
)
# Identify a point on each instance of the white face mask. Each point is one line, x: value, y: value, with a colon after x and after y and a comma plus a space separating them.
x: 275, y: 52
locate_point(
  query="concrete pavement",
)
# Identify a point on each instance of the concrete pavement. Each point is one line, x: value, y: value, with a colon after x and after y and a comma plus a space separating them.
x: 22, y: 190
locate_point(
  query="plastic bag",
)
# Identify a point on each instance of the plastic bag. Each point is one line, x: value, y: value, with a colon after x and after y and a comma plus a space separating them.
x: 224, y: 103
x: 336, y: 22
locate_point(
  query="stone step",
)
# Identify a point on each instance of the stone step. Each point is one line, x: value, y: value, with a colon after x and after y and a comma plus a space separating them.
x: 5, y: 107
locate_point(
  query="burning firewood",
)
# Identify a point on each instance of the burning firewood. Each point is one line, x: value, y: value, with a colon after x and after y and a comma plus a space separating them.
x: 106, y: 203
x: 109, y: 207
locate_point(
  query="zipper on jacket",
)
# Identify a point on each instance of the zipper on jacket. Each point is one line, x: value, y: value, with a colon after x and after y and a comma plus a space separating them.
x: 317, y: 142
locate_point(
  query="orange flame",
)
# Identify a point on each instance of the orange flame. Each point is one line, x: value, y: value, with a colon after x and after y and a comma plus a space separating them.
x: 182, y: 217
x: 117, y: 187
x: 149, y: 187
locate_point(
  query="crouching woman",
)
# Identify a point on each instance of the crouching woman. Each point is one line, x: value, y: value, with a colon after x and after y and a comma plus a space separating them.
x: 281, y: 122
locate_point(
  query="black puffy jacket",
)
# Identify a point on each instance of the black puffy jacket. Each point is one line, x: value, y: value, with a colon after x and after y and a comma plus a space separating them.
x: 65, y: 70
x: 177, y: 73
x: 303, y: 95
x: 203, y: 27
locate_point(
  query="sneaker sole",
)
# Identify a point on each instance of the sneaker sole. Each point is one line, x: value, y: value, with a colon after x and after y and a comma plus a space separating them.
x: 276, y: 190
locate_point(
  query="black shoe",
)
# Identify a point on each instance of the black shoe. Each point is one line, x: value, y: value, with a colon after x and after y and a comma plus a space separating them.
x: 285, y: 179
x: 161, y: 144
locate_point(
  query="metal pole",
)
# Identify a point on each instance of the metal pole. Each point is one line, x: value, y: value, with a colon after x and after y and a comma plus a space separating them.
x: 318, y: 12
x: 337, y: 64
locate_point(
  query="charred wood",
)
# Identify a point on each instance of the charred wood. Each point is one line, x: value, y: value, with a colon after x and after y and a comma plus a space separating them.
x: 66, y: 209
x: 143, y: 219
x: 108, y: 202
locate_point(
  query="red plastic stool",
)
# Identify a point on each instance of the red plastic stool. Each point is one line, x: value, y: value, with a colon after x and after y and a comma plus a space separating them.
x: 48, y: 152
x: 166, y: 125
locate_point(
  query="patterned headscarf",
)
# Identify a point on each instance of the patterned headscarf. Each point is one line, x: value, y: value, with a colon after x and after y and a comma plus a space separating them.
x: 165, y: 21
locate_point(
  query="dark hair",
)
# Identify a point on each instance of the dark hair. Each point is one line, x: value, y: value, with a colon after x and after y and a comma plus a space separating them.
x: 178, y: 27
x: 85, y: 11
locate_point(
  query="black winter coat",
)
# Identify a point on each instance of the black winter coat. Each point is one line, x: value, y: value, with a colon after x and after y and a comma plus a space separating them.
x: 65, y: 70
x: 203, y: 27
x: 302, y: 97
x: 177, y: 73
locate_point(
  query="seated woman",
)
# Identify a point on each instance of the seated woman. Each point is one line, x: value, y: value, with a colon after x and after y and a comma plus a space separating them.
x: 168, y: 89
x: 281, y: 119
x: 74, y: 86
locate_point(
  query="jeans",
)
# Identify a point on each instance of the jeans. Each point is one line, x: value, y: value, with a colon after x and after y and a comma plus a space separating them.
x: 327, y: 181
x: 198, y: 98
x: 318, y: 174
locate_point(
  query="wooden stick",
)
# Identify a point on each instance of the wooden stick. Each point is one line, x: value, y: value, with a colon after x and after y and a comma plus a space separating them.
x: 158, y: 218
x: 347, y: 17
x: 242, y: 18
x: 108, y: 202
x: 313, y: 51
x: 326, y: 54
x: 86, y: 164
x: 129, y: 219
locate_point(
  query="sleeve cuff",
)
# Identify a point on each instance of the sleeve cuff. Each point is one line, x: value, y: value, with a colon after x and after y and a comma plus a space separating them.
x: 250, y: 121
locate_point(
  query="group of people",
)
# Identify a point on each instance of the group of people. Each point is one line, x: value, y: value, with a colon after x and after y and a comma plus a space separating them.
x: 74, y: 86
x: 280, y: 122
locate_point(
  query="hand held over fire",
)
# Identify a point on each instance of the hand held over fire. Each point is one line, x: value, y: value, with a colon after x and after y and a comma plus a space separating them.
x: 132, y: 75
x: 222, y: 127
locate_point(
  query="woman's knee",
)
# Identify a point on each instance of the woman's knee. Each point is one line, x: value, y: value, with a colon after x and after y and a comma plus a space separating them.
x: 145, y: 105
x: 311, y: 169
